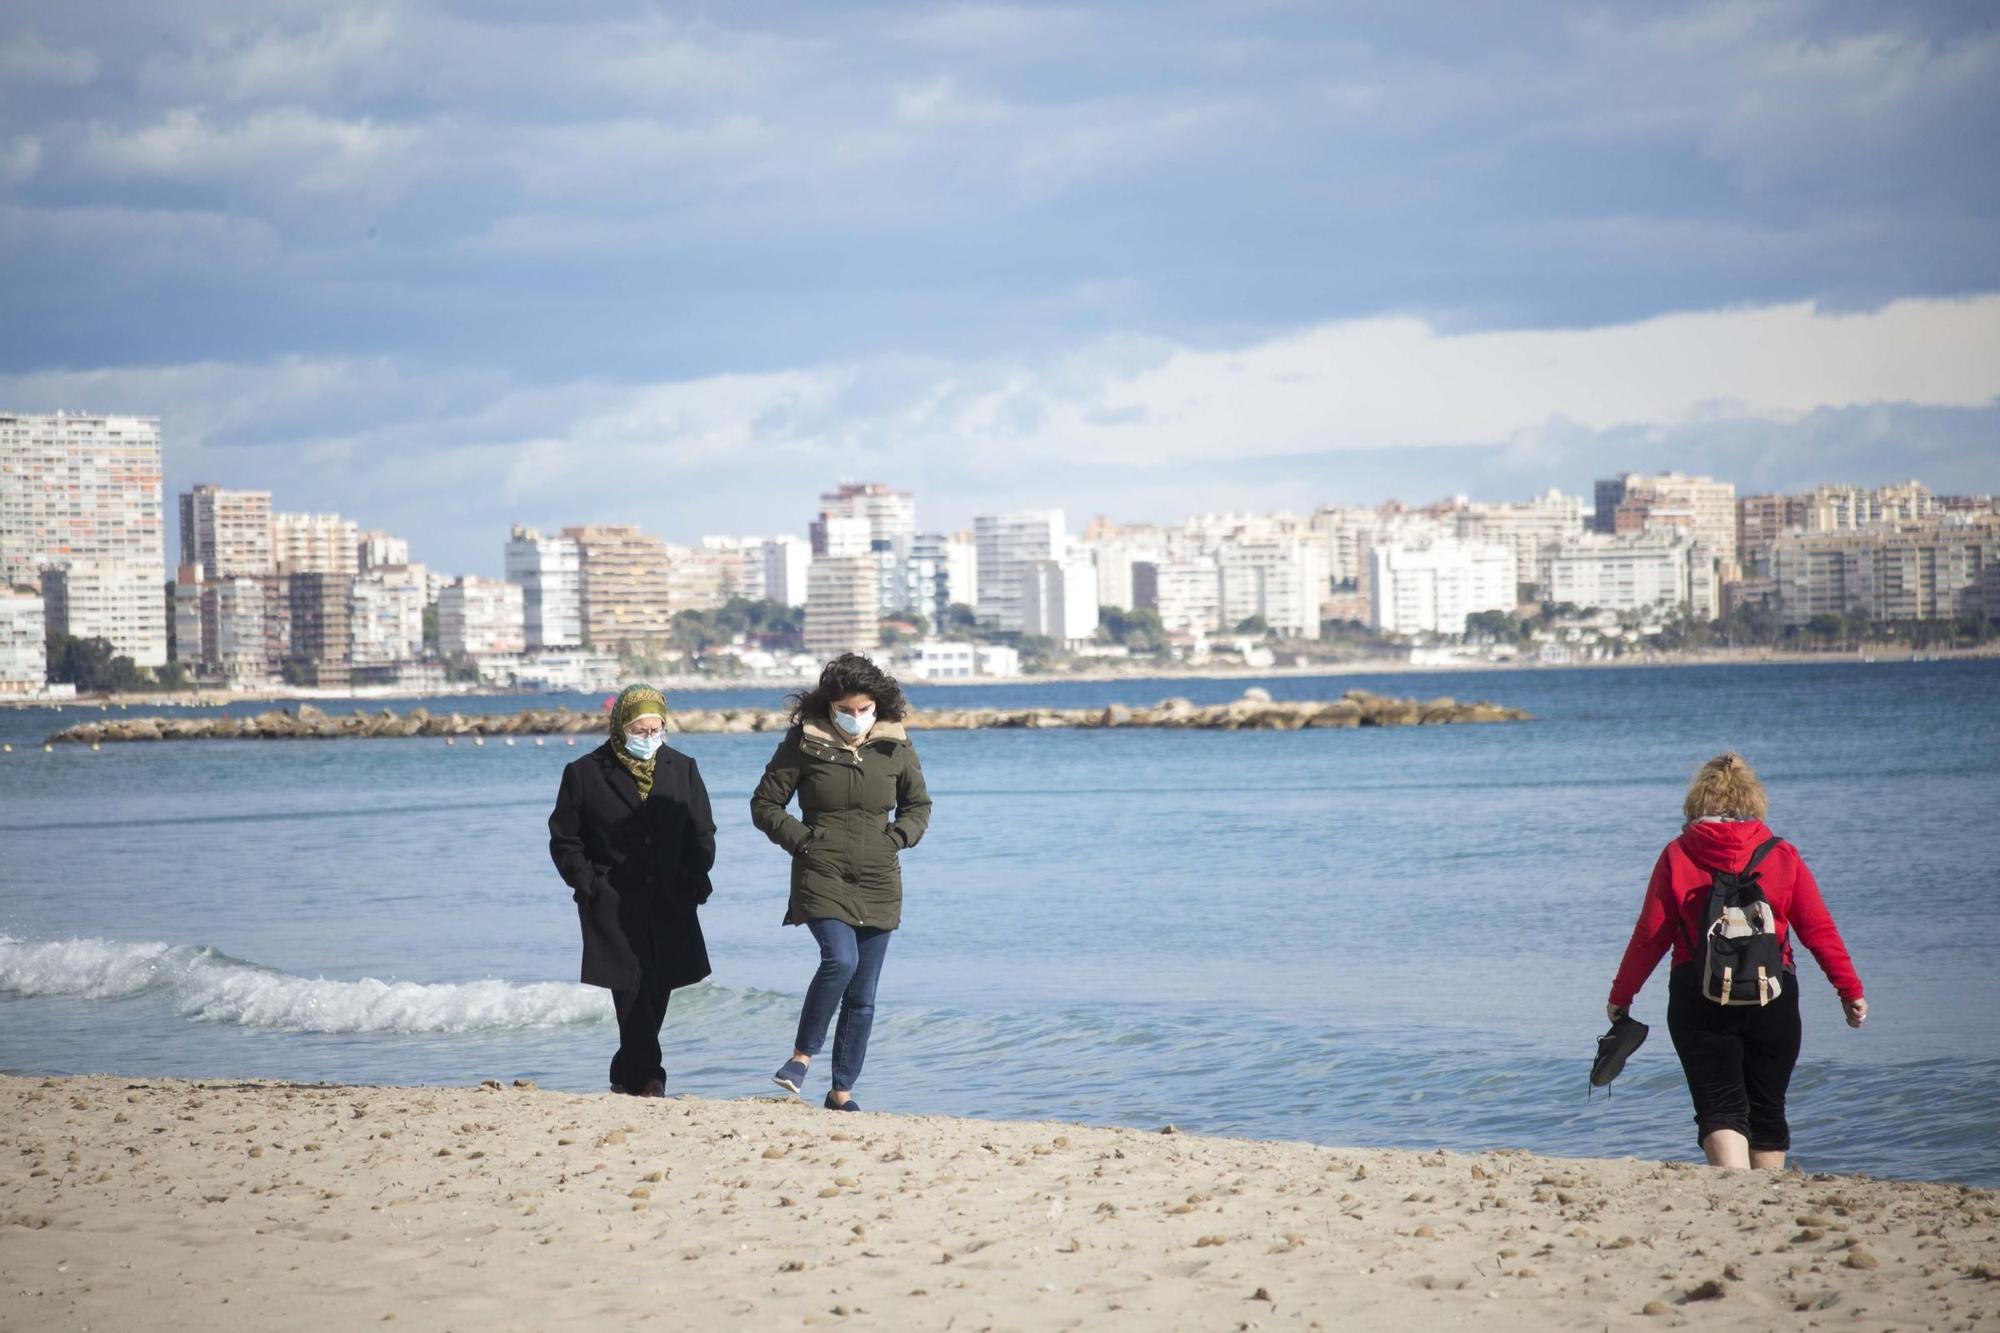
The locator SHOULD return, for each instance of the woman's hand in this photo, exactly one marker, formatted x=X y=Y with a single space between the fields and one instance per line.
x=1856 y=1011
x=1614 y=1012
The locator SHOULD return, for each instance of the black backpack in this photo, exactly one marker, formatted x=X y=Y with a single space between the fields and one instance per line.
x=1742 y=954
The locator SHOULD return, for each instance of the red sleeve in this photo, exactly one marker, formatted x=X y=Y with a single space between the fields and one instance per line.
x=1659 y=919
x=1813 y=925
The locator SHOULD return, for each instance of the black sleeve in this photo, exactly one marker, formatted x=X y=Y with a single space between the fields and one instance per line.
x=566 y=839
x=699 y=851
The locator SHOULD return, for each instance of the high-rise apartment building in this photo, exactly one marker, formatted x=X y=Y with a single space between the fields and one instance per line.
x=785 y=560
x=236 y=635
x=386 y=615
x=841 y=615
x=480 y=618
x=103 y=599
x=24 y=660
x=1059 y=599
x=549 y=571
x=1627 y=572
x=1280 y=580
x=376 y=549
x=1761 y=520
x=1535 y=528
x=321 y=632
x=77 y=487
x=1849 y=508
x=1926 y=571
x=315 y=544
x=627 y=604
x=1185 y=592
x=1701 y=507
x=887 y=515
x=1432 y=589
x=703 y=579
x=1007 y=544
x=225 y=533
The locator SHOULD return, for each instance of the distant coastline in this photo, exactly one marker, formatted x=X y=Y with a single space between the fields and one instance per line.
x=1371 y=666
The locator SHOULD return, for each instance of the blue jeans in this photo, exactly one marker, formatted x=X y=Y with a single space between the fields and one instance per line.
x=850 y=963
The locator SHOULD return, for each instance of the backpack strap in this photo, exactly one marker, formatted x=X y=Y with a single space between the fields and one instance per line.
x=1749 y=867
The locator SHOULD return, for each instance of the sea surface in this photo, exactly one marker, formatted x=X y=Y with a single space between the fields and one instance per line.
x=1396 y=937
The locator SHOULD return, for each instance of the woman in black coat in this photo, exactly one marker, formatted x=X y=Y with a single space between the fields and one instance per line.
x=633 y=838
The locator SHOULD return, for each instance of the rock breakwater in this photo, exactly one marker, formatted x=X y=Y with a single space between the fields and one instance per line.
x=1255 y=711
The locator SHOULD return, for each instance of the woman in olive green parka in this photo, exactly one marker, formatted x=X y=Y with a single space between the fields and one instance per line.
x=862 y=803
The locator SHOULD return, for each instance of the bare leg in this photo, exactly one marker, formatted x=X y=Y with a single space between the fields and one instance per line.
x=1725 y=1147
x=801 y=1056
x=1761 y=1160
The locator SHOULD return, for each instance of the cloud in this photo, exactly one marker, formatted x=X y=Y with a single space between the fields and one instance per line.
x=26 y=61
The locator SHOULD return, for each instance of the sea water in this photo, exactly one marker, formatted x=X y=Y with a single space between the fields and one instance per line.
x=1396 y=937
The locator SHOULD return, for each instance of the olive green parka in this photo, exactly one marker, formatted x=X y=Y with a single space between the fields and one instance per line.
x=845 y=848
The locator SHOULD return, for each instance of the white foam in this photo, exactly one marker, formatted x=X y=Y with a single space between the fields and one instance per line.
x=203 y=984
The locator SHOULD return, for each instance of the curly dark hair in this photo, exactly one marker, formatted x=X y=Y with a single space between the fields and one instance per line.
x=851 y=673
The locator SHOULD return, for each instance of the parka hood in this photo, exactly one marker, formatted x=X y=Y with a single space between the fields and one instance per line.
x=821 y=731
x=1722 y=844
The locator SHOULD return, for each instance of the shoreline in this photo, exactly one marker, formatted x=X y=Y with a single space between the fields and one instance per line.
x=1371 y=666
x=263 y=1205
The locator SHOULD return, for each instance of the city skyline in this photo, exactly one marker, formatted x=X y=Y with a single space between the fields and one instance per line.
x=455 y=269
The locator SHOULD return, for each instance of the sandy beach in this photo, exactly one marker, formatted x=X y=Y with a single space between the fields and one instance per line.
x=167 y=1203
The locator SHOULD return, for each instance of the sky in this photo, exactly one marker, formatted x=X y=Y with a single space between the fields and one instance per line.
x=444 y=267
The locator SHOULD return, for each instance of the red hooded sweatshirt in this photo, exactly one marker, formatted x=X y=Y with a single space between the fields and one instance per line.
x=1677 y=901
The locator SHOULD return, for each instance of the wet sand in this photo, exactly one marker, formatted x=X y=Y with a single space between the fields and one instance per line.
x=154 y=1203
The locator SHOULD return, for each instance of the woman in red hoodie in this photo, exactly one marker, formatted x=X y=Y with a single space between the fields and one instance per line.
x=1738 y=1058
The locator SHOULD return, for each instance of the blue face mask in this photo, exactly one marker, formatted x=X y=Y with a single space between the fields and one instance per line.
x=854 y=724
x=643 y=748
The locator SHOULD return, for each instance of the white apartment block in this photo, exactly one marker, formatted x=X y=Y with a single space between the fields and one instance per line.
x=1432 y=589
x=188 y=643
x=841 y=615
x=226 y=533
x=1059 y=599
x=386 y=615
x=549 y=571
x=785 y=560
x=1006 y=545
x=1282 y=579
x=1535 y=528
x=480 y=618
x=1627 y=572
x=126 y=604
x=886 y=515
x=236 y=635
x=82 y=488
x=315 y=544
x=1186 y=593
x=961 y=570
x=703 y=579
x=375 y=549
x=24 y=659
x=1114 y=557
x=937 y=659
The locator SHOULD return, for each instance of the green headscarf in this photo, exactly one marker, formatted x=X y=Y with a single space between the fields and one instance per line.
x=635 y=701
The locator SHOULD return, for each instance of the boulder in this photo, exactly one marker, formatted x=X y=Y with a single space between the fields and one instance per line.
x=1257 y=694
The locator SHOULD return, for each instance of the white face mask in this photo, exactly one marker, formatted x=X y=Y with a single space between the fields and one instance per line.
x=643 y=748
x=855 y=724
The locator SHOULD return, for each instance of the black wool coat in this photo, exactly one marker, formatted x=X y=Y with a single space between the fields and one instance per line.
x=636 y=869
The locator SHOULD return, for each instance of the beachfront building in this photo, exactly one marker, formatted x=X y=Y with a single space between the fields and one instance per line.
x=862 y=518
x=1761 y=520
x=1852 y=508
x=225 y=533
x=841 y=614
x=1432 y=589
x=1007 y=544
x=785 y=560
x=481 y=618
x=1700 y=507
x=386 y=615
x=626 y=587
x=1925 y=571
x=1630 y=572
x=315 y=544
x=549 y=571
x=102 y=599
x=1186 y=592
x=1115 y=549
x=703 y=579
x=234 y=638
x=1279 y=579
x=24 y=659
x=320 y=606
x=1059 y=600
x=76 y=487
x=937 y=659
x=1536 y=529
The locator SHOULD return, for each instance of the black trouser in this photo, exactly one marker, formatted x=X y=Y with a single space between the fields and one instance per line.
x=640 y=1013
x=1738 y=1058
